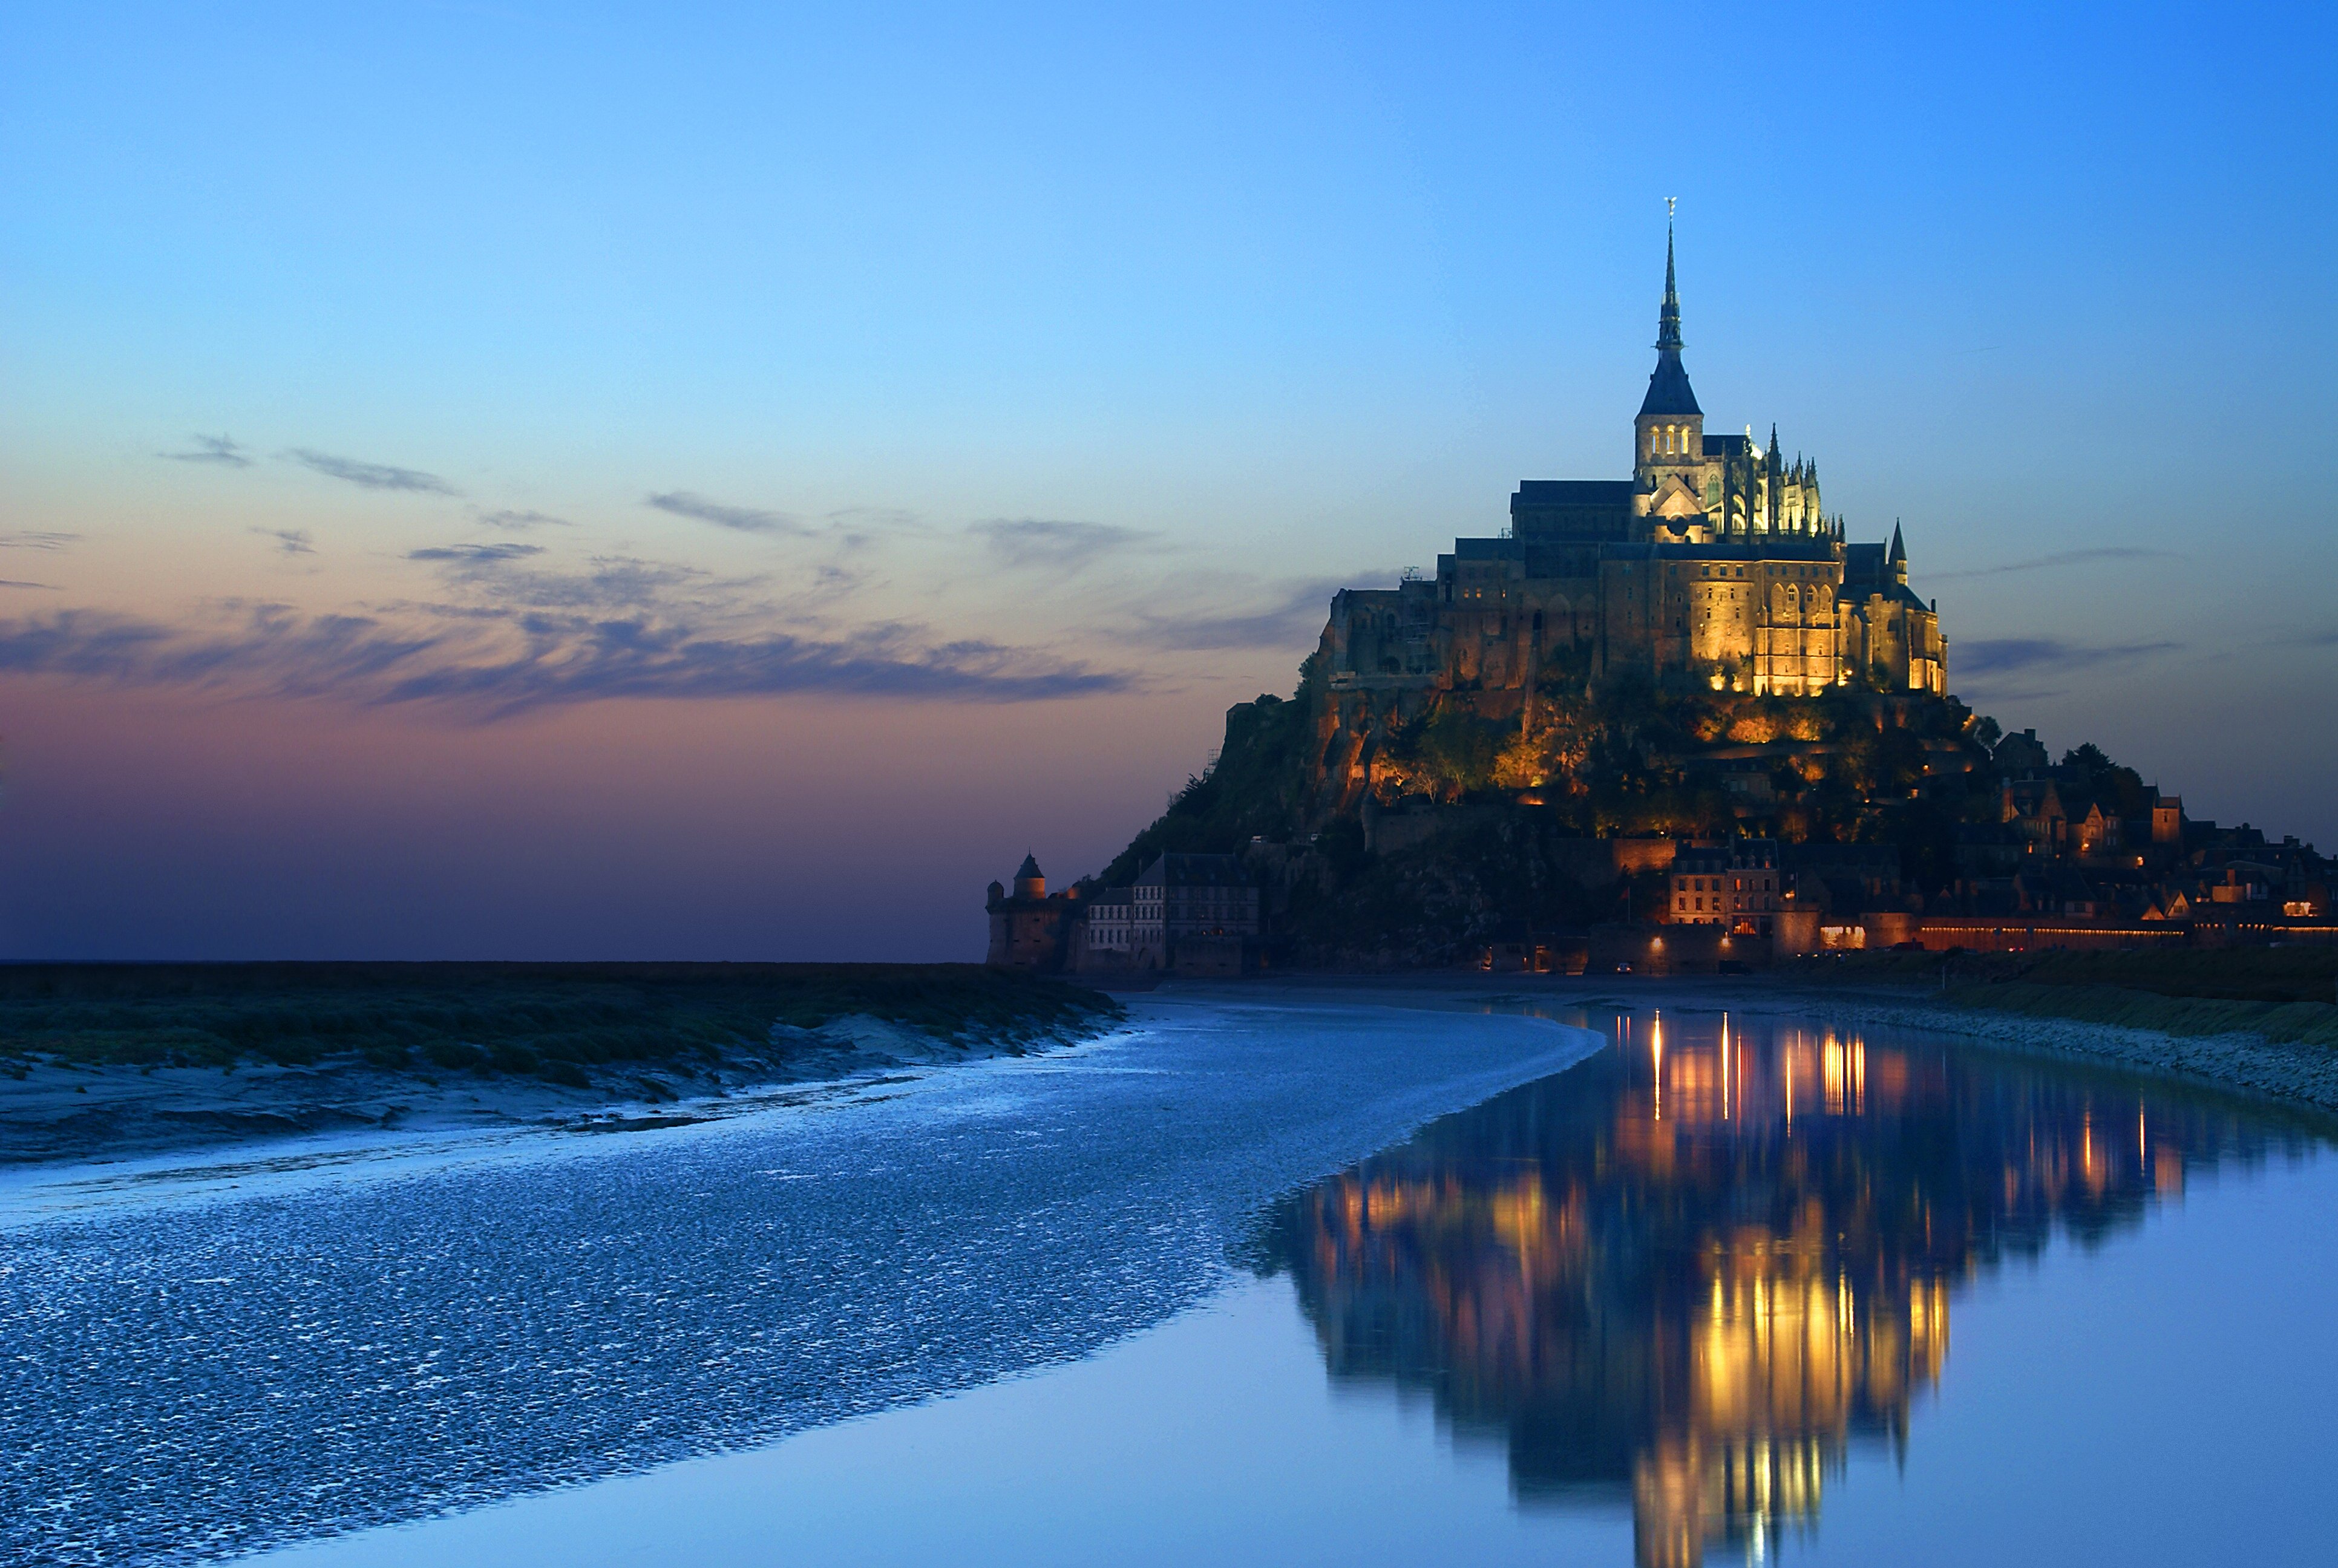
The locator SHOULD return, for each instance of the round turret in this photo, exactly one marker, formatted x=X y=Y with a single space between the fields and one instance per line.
x=1030 y=882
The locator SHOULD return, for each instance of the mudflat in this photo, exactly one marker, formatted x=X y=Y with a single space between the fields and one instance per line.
x=121 y=1060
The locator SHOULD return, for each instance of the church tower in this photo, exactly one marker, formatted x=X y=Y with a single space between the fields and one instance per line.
x=1668 y=458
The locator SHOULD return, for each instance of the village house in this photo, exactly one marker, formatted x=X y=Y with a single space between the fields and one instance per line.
x=1185 y=914
x=1195 y=914
x=1733 y=884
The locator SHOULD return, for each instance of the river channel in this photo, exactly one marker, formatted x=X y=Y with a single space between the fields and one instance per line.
x=1298 y=1278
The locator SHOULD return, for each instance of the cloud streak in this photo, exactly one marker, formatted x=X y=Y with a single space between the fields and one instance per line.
x=2022 y=655
x=290 y=540
x=1025 y=541
x=491 y=664
x=476 y=555
x=371 y=476
x=523 y=519
x=742 y=519
x=2066 y=558
x=1292 y=618
x=35 y=539
x=211 y=449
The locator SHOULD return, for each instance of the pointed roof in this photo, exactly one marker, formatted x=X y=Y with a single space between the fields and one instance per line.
x=1030 y=867
x=1898 y=547
x=1669 y=387
x=1668 y=315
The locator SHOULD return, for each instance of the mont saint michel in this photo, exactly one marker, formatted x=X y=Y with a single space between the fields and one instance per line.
x=1715 y=562
x=731 y=835
x=1677 y=723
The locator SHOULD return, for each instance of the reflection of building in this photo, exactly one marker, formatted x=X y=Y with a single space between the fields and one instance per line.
x=1692 y=1272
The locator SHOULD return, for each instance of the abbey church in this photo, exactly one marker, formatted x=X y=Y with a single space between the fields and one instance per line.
x=1714 y=563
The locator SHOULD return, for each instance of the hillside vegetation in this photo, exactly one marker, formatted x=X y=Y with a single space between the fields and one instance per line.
x=1618 y=760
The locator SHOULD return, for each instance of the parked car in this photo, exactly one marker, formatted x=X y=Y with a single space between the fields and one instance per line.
x=1623 y=968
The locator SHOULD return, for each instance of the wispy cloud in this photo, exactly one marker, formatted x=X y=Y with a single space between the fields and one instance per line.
x=11 y=583
x=519 y=520
x=211 y=449
x=476 y=555
x=871 y=517
x=373 y=475
x=1021 y=542
x=2040 y=655
x=1288 y=614
x=500 y=580
x=291 y=541
x=2066 y=558
x=496 y=667
x=281 y=652
x=745 y=519
x=34 y=539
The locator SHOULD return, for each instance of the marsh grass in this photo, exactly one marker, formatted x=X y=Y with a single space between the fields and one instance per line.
x=553 y=1021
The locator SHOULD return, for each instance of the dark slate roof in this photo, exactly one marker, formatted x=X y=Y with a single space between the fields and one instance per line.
x=1863 y=569
x=1668 y=389
x=1030 y=867
x=1573 y=493
x=1109 y=898
x=1774 y=547
x=1488 y=549
x=1728 y=447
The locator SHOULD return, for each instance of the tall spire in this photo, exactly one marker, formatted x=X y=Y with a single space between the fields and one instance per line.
x=1669 y=387
x=1669 y=337
x=1899 y=549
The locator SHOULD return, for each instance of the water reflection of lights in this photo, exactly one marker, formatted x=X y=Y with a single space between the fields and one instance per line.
x=1656 y=1052
x=1657 y=1301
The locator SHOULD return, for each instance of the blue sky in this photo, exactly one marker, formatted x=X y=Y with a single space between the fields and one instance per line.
x=924 y=357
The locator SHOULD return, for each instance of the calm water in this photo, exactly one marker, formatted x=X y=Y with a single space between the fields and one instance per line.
x=1700 y=1287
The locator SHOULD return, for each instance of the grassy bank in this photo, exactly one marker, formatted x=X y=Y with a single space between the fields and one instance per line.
x=550 y=1020
x=2290 y=1022
x=2283 y=993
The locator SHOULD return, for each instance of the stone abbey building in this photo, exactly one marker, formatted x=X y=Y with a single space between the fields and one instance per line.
x=1715 y=562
